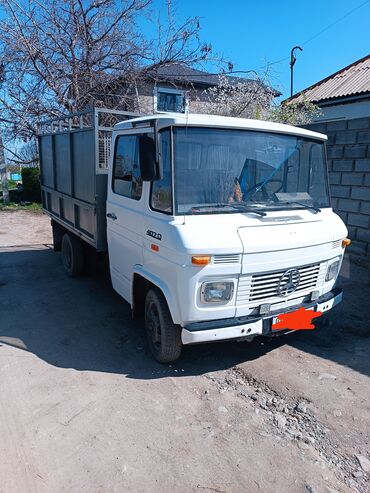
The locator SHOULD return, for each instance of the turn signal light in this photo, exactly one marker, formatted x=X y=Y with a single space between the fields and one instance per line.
x=200 y=260
x=346 y=242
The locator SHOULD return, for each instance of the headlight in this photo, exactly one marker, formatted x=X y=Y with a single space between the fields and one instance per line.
x=332 y=270
x=216 y=292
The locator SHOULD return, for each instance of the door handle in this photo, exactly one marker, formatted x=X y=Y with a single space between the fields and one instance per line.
x=112 y=215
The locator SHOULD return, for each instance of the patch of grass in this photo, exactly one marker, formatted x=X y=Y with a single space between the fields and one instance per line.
x=11 y=185
x=12 y=206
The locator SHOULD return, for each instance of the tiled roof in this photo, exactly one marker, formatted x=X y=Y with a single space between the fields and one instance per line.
x=177 y=72
x=352 y=80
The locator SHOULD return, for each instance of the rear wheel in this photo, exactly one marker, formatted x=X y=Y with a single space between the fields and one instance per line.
x=164 y=337
x=72 y=255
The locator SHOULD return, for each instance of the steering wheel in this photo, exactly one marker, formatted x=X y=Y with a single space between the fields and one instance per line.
x=255 y=188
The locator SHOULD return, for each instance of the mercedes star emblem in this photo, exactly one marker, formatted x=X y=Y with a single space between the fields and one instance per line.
x=288 y=282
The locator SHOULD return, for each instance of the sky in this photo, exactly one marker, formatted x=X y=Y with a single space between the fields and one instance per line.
x=252 y=33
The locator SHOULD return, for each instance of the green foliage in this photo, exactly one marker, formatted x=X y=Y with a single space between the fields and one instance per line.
x=294 y=113
x=11 y=184
x=31 y=185
x=255 y=99
x=13 y=206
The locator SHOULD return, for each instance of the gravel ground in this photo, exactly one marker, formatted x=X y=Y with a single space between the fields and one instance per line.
x=84 y=408
x=23 y=228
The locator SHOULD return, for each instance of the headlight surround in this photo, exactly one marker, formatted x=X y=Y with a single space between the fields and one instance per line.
x=216 y=291
x=332 y=270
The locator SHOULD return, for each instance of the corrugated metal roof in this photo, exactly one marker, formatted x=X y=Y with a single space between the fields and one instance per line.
x=350 y=81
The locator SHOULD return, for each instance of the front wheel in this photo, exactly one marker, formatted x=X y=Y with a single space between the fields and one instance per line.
x=164 y=337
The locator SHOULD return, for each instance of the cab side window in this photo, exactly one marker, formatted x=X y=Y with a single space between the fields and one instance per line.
x=126 y=167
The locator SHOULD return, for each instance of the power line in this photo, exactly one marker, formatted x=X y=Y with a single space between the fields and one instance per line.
x=318 y=33
x=269 y=64
x=335 y=22
x=303 y=44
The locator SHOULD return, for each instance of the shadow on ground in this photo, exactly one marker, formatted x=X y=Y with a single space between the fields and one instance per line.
x=83 y=324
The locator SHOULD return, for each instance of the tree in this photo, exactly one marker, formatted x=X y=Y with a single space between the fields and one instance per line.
x=249 y=98
x=254 y=98
x=60 y=56
x=294 y=113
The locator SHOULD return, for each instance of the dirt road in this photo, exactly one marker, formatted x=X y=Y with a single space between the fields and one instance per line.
x=84 y=408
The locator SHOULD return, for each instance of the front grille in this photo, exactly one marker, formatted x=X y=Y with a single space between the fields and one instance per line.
x=259 y=288
x=336 y=244
x=226 y=259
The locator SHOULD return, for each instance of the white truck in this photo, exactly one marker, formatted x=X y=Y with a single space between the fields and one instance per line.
x=214 y=226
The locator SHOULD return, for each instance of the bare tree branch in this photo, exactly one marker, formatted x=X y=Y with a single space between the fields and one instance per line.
x=62 y=56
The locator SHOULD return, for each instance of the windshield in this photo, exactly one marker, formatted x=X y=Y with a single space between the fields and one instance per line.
x=226 y=170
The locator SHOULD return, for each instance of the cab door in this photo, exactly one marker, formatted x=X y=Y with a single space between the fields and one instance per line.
x=125 y=211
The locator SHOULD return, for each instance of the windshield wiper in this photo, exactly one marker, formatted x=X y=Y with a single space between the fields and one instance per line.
x=232 y=205
x=305 y=206
x=208 y=206
x=246 y=208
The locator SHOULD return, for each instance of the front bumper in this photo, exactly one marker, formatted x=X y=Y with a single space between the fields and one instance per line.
x=248 y=327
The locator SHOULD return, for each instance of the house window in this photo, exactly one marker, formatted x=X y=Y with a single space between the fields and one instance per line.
x=172 y=100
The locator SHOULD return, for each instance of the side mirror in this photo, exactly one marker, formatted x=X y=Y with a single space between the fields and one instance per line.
x=147 y=155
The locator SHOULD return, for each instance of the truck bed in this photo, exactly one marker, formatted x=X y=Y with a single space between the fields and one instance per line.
x=74 y=156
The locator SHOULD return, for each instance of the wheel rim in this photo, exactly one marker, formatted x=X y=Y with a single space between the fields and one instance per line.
x=154 y=325
x=67 y=256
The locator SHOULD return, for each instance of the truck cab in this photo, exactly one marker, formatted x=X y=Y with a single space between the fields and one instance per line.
x=217 y=226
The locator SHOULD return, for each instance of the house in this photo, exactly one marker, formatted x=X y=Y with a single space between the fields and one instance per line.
x=174 y=88
x=344 y=100
x=344 y=95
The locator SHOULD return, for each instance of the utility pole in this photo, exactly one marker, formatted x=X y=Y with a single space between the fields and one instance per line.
x=4 y=178
x=291 y=63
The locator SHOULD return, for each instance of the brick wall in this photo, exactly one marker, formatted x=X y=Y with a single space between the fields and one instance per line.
x=348 y=151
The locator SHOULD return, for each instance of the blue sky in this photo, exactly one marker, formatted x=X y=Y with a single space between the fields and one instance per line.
x=251 y=33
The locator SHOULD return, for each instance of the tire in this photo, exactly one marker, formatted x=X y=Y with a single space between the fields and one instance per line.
x=72 y=255
x=164 y=337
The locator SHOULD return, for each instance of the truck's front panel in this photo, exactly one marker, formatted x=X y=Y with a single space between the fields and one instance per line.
x=239 y=226
x=257 y=203
x=255 y=275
